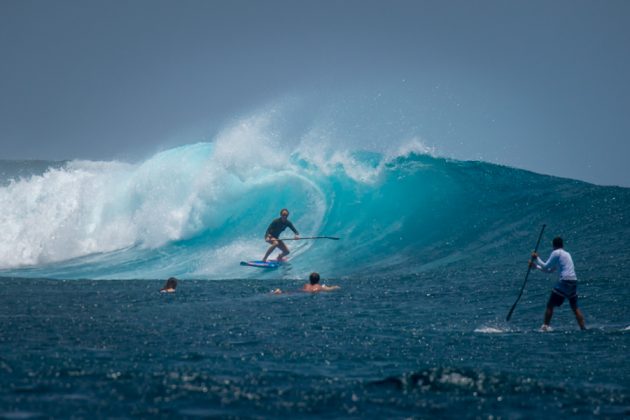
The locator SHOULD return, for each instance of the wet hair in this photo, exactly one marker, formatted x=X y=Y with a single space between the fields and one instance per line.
x=171 y=283
x=283 y=210
x=314 y=278
x=557 y=243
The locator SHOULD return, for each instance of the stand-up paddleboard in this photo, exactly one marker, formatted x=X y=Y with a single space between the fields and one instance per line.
x=262 y=264
x=276 y=263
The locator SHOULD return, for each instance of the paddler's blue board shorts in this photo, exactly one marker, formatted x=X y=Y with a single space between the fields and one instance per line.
x=564 y=289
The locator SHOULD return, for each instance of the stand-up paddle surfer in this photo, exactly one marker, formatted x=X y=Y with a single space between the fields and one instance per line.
x=566 y=287
x=273 y=232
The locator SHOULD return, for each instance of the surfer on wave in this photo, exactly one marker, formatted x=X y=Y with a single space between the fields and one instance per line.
x=274 y=230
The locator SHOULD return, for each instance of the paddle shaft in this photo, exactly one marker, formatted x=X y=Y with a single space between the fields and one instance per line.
x=529 y=268
x=310 y=237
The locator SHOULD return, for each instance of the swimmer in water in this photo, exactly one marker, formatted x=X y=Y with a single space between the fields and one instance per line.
x=312 y=286
x=170 y=286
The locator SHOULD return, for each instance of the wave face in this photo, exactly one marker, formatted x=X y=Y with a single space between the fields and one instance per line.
x=196 y=211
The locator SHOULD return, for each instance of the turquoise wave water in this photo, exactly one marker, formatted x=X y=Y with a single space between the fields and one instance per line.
x=198 y=210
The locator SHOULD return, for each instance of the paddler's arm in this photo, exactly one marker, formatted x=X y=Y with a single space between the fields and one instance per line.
x=547 y=267
x=297 y=234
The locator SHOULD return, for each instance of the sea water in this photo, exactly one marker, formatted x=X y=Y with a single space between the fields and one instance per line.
x=416 y=346
x=432 y=255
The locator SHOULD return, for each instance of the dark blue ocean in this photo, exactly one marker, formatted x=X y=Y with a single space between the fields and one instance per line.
x=431 y=256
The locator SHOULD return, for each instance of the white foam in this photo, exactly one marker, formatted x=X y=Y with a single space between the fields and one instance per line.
x=251 y=147
x=414 y=145
x=58 y=215
x=490 y=330
x=329 y=153
x=457 y=379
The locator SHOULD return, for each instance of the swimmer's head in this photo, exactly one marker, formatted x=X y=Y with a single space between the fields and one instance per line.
x=314 y=278
x=171 y=283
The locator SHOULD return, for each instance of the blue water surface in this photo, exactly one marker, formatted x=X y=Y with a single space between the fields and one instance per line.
x=418 y=346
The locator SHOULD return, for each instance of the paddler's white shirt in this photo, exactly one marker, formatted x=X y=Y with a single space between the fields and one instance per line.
x=559 y=259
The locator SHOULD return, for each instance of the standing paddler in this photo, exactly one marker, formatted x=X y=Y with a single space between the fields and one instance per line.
x=566 y=286
x=273 y=233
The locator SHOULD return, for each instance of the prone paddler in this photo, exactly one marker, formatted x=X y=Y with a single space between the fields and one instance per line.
x=274 y=230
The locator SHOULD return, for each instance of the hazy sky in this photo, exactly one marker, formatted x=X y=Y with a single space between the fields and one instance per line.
x=540 y=85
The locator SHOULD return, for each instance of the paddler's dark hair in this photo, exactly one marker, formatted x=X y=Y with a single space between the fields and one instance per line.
x=557 y=243
x=314 y=278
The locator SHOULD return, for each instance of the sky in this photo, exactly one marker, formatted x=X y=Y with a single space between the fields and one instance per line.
x=538 y=85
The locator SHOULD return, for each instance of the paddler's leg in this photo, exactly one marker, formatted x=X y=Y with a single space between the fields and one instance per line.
x=285 y=250
x=274 y=244
x=578 y=314
x=548 y=315
x=554 y=300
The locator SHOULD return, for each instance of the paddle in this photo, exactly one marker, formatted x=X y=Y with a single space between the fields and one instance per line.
x=529 y=268
x=310 y=237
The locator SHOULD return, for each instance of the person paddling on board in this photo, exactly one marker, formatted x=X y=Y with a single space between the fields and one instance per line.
x=273 y=233
x=566 y=287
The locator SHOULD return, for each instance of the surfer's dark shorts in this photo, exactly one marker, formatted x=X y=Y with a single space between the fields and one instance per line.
x=564 y=289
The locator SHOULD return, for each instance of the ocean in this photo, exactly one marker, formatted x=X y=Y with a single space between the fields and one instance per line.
x=431 y=256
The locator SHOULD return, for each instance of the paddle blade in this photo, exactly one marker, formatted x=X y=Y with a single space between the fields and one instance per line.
x=509 y=315
x=529 y=268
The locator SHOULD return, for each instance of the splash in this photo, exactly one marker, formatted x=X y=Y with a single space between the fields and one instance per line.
x=491 y=330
